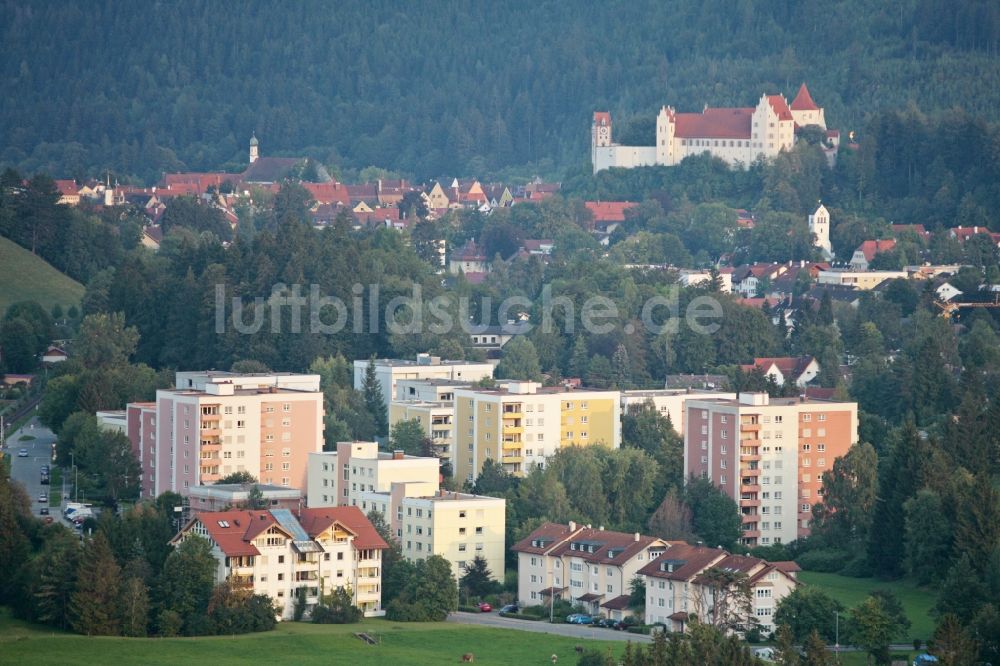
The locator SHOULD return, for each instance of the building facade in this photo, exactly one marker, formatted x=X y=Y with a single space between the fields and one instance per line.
x=521 y=424
x=341 y=477
x=283 y=554
x=435 y=418
x=677 y=589
x=390 y=371
x=669 y=403
x=769 y=455
x=218 y=423
x=581 y=564
x=738 y=136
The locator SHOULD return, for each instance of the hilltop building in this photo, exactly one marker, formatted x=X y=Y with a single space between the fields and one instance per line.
x=738 y=136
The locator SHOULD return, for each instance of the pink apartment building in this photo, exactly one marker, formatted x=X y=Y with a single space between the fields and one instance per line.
x=769 y=455
x=217 y=423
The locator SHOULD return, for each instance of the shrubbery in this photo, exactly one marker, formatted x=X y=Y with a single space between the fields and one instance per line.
x=337 y=608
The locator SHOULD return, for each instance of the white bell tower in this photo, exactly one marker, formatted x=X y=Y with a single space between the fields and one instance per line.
x=819 y=225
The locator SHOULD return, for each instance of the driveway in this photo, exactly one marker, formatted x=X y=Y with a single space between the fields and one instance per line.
x=540 y=627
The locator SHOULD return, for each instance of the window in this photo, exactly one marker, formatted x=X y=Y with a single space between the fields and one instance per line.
x=806 y=418
x=241 y=424
x=804 y=508
x=287 y=407
x=821 y=447
x=821 y=417
x=807 y=432
x=461 y=547
x=821 y=462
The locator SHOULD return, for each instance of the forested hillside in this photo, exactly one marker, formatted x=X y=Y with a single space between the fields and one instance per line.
x=448 y=87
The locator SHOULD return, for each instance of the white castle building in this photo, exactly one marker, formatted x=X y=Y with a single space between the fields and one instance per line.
x=736 y=135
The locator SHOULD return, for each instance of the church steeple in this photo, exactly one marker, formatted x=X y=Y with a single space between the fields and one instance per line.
x=253 y=148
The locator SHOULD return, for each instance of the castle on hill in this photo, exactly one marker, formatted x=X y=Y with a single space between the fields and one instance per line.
x=738 y=136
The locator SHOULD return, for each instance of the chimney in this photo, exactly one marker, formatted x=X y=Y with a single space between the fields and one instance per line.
x=572 y=526
x=397 y=455
x=636 y=537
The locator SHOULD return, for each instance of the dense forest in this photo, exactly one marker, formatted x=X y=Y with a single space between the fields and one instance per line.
x=508 y=87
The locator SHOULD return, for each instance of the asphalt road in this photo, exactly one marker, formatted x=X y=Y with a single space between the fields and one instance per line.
x=29 y=470
x=570 y=630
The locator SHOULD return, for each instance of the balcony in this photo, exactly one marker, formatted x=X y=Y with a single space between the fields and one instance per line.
x=241 y=581
x=749 y=472
x=750 y=518
x=751 y=534
x=749 y=502
x=209 y=418
x=512 y=459
x=749 y=426
x=512 y=444
x=749 y=487
x=512 y=411
x=212 y=431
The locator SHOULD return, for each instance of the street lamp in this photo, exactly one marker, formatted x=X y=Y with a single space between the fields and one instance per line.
x=836 y=645
x=552 y=595
x=76 y=477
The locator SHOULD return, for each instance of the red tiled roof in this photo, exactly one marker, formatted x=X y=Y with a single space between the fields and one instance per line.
x=326 y=193
x=618 y=603
x=726 y=123
x=787 y=566
x=819 y=393
x=964 y=233
x=314 y=521
x=804 y=101
x=624 y=546
x=791 y=367
x=67 y=187
x=602 y=117
x=693 y=559
x=608 y=211
x=234 y=531
x=780 y=107
x=872 y=247
x=552 y=533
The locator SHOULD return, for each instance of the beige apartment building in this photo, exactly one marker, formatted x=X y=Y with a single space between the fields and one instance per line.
x=769 y=455
x=341 y=477
x=217 y=423
x=521 y=424
x=435 y=418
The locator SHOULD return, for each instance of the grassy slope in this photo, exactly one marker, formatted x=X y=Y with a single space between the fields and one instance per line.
x=851 y=591
x=23 y=276
x=293 y=643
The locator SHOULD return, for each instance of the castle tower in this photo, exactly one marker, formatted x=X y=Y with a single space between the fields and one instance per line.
x=805 y=110
x=819 y=225
x=254 y=154
x=665 y=129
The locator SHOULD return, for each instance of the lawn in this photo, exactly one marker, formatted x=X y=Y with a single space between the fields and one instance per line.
x=849 y=591
x=28 y=277
x=295 y=643
x=55 y=487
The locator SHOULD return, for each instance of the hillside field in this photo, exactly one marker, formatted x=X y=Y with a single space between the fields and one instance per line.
x=295 y=643
x=24 y=276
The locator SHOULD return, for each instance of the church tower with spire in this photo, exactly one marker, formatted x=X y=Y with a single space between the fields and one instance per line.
x=254 y=154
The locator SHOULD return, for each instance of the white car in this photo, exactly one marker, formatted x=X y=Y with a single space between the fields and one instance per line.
x=43 y=498
x=23 y=453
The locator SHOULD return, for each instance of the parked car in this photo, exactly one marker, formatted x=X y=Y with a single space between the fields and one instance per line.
x=579 y=618
x=510 y=608
x=45 y=469
x=44 y=511
x=484 y=607
x=45 y=479
x=43 y=498
x=611 y=624
x=23 y=453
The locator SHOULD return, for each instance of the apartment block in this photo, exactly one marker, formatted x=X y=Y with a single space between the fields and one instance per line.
x=520 y=424
x=390 y=371
x=226 y=496
x=428 y=390
x=218 y=423
x=436 y=419
x=769 y=455
x=284 y=554
x=669 y=402
x=341 y=477
x=676 y=588
x=584 y=565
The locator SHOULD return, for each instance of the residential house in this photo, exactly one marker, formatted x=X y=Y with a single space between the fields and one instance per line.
x=581 y=564
x=606 y=216
x=54 y=355
x=470 y=259
x=797 y=370
x=946 y=291
x=963 y=234
x=748 y=280
x=435 y=198
x=69 y=192
x=679 y=587
x=285 y=554
x=859 y=279
x=862 y=258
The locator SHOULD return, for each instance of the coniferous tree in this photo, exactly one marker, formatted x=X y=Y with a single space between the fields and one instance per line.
x=56 y=571
x=375 y=398
x=95 y=606
x=477 y=581
x=815 y=652
x=579 y=363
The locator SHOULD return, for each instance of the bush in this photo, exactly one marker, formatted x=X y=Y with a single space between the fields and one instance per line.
x=469 y=609
x=169 y=623
x=644 y=629
x=858 y=567
x=337 y=608
x=825 y=561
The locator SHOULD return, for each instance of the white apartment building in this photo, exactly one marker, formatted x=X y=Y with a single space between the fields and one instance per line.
x=217 y=423
x=428 y=390
x=676 y=591
x=283 y=554
x=341 y=477
x=437 y=419
x=580 y=564
x=862 y=280
x=390 y=371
